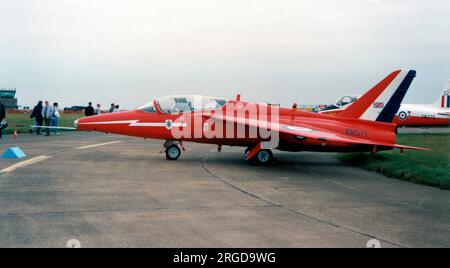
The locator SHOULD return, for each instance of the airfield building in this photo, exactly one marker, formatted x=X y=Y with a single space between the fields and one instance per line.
x=8 y=98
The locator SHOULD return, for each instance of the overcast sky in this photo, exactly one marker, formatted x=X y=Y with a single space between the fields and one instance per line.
x=309 y=51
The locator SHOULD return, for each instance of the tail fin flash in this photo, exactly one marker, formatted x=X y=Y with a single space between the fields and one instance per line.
x=444 y=99
x=382 y=102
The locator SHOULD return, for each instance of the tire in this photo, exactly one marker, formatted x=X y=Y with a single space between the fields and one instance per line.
x=173 y=152
x=264 y=157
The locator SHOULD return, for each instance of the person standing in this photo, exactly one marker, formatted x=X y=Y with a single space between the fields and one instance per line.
x=111 y=109
x=98 y=110
x=47 y=113
x=55 y=118
x=2 y=117
x=38 y=118
x=89 y=111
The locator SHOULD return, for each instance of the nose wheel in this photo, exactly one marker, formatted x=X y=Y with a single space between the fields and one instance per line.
x=172 y=149
x=173 y=152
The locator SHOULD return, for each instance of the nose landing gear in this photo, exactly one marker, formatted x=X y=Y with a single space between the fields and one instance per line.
x=172 y=149
x=173 y=152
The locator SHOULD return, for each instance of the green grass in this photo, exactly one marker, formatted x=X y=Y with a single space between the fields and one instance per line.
x=425 y=167
x=23 y=122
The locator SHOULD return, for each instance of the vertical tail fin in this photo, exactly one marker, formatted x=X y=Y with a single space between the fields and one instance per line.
x=444 y=99
x=382 y=102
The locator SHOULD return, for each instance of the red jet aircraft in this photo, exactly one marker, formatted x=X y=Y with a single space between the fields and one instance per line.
x=365 y=126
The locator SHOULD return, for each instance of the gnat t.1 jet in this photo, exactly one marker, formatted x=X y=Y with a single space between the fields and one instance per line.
x=436 y=114
x=365 y=126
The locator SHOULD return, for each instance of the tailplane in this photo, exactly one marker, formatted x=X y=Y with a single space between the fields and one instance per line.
x=382 y=102
x=444 y=99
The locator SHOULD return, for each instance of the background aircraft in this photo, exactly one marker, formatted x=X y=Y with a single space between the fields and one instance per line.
x=365 y=126
x=340 y=104
x=409 y=115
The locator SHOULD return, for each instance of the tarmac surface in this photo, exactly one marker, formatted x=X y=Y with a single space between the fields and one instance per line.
x=113 y=191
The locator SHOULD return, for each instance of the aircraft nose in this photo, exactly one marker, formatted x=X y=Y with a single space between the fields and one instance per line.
x=75 y=124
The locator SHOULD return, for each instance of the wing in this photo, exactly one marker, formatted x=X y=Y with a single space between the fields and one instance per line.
x=309 y=132
x=323 y=135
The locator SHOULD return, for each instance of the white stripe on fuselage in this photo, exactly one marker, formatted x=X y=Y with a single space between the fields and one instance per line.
x=110 y=122
x=136 y=123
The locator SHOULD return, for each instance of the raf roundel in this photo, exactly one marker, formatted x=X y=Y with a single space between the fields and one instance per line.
x=403 y=116
x=169 y=124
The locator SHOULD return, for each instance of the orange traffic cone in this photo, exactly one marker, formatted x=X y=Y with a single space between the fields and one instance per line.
x=15 y=134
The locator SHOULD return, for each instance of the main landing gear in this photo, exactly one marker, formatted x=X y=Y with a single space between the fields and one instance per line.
x=264 y=157
x=173 y=149
x=259 y=156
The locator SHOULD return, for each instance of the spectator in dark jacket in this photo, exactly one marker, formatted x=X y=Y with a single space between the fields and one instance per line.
x=2 y=111
x=111 y=109
x=2 y=116
x=89 y=111
x=38 y=118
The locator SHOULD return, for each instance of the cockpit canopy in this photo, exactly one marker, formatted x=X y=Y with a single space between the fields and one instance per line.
x=341 y=103
x=185 y=104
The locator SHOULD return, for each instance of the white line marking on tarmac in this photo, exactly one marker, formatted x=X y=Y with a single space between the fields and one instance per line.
x=24 y=164
x=97 y=145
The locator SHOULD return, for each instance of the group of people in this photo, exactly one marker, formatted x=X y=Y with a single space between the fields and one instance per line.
x=90 y=110
x=46 y=115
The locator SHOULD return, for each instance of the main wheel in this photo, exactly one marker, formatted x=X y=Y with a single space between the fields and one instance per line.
x=173 y=152
x=264 y=157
